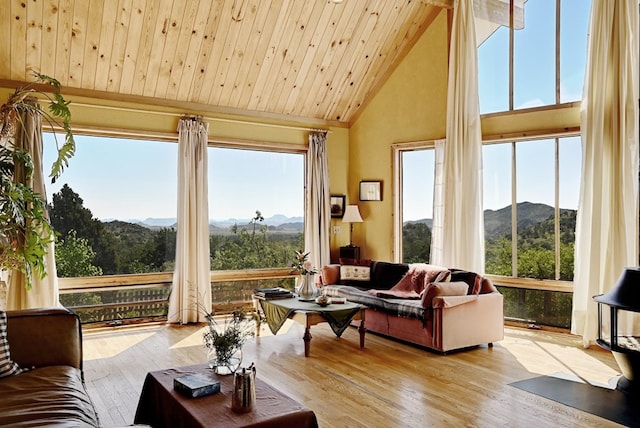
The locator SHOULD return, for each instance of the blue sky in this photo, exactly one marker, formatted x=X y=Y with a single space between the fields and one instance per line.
x=127 y=179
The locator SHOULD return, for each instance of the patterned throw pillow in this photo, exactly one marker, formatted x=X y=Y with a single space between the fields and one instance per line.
x=7 y=366
x=355 y=273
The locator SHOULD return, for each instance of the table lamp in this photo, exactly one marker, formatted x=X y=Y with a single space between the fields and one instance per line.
x=351 y=215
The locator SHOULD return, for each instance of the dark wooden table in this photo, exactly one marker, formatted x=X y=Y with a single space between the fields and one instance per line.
x=309 y=314
x=162 y=406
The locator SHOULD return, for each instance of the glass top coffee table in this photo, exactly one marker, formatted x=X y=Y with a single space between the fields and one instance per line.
x=338 y=315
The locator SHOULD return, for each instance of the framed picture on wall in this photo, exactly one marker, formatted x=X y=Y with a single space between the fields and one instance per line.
x=371 y=190
x=337 y=206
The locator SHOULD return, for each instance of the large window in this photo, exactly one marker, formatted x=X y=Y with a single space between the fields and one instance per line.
x=417 y=205
x=415 y=173
x=256 y=203
x=540 y=179
x=541 y=63
x=114 y=207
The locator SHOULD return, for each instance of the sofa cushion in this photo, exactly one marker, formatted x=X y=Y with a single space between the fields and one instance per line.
x=458 y=288
x=471 y=278
x=350 y=273
x=330 y=274
x=385 y=275
x=52 y=396
x=414 y=282
x=7 y=366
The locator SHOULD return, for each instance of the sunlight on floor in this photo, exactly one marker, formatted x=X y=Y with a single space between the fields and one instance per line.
x=100 y=344
x=548 y=358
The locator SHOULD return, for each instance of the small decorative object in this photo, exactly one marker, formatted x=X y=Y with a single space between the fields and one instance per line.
x=305 y=287
x=244 y=390
x=323 y=300
x=224 y=343
x=337 y=206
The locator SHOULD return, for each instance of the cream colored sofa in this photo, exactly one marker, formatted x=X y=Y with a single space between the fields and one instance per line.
x=448 y=322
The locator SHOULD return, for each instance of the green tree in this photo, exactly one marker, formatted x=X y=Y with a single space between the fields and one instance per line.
x=74 y=257
x=68 y=213
x=416 y=243
x=252 y=247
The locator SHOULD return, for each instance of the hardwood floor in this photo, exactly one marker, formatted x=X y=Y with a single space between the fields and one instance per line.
x=387 y=384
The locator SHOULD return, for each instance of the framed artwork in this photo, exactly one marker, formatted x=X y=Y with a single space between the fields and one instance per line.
x=371 y=190
x=337 y=206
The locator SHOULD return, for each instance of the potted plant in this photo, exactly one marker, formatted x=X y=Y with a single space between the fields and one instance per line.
x=224 y=343
x=25 y=230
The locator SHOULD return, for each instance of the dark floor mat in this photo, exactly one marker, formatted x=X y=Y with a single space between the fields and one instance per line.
x=609 y=404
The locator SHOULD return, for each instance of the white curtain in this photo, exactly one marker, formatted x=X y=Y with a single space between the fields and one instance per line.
x=607 y=222
x=44 y=292
x=318 y=210
x=191 y=291
x=461 y=216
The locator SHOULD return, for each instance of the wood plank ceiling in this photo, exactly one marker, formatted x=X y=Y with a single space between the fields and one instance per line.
x=286 y=58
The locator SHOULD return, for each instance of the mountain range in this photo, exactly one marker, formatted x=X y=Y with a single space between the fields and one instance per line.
x=275 y=222
x=498 y=222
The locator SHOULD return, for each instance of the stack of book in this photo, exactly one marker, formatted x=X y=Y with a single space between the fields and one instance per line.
x=272 y=293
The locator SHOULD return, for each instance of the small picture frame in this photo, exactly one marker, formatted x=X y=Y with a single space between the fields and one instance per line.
x=371 y=190
x=337 y=206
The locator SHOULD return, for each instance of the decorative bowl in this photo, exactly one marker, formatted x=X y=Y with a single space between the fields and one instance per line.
x=323 y=300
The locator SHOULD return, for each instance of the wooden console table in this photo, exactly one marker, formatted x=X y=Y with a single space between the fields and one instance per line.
x=162 y=406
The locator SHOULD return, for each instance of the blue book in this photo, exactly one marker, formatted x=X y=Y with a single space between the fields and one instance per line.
x=196 y=385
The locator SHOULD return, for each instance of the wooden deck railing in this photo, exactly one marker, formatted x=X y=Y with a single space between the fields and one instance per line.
x=112 y=299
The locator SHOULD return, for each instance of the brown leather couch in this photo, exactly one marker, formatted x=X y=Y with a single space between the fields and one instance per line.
x=52 y=392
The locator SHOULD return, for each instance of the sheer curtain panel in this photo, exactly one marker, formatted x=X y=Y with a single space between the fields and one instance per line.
x=317 y=208
x=191 y=290
x=607 y=221
x=462 y=239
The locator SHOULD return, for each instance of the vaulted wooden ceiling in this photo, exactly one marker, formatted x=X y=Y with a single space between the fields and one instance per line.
x=286 y=58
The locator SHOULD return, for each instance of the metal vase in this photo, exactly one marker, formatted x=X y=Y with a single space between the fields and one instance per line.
x=244 y=390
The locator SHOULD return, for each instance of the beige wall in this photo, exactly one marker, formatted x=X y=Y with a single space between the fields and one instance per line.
x=410 y=107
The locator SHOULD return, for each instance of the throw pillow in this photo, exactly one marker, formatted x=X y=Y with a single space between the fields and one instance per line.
x=354 y=273
x=387 y=274
x=7 y=366
x=435 y=289
x=471 y=278
x=330 y=274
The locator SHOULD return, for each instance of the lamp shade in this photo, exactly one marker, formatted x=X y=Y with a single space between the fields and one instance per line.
x=352 y=215
x=626 y=292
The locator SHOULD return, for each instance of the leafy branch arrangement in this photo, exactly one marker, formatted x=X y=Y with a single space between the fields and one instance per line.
x=230 y=337
x=25 y=230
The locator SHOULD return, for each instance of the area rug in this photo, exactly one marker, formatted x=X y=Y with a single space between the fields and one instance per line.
x=607 y=403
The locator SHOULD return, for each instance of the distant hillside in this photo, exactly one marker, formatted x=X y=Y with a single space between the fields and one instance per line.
x=498 y=222
x=278 y=224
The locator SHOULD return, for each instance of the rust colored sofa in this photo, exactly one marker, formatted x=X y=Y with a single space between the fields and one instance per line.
x=460 y=309
x=52 y=393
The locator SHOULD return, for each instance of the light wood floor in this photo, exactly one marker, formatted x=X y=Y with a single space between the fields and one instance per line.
x=387 y=384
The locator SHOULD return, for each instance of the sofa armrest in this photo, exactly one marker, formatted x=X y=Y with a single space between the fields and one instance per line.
x=475 y=322
x=45 y=337
x=451 y=301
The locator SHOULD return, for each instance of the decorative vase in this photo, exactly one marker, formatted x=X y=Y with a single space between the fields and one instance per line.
x=224 y=361
x=306 y=289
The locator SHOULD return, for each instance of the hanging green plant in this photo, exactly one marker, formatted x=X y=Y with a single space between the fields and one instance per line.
x=25 y=231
